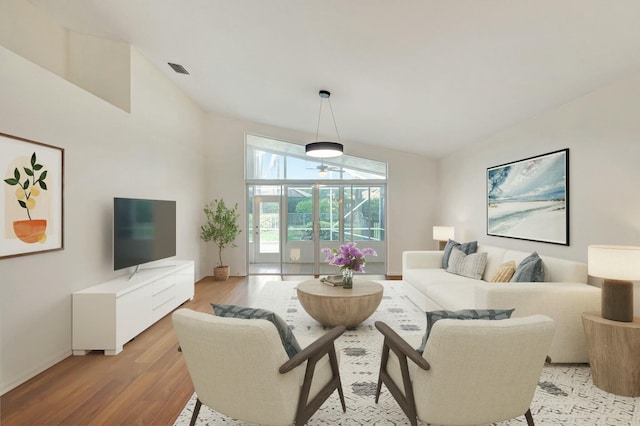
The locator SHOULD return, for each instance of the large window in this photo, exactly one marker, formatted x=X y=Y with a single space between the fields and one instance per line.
x=299 y=205
x=269 y=159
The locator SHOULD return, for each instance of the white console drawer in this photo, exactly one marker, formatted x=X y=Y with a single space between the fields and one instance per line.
x=162 y=284
x=163 y=296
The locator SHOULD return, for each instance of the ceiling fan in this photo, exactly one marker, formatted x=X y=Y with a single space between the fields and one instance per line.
x=323 y=168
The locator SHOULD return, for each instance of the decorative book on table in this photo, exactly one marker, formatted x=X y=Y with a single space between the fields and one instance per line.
x=332 y=280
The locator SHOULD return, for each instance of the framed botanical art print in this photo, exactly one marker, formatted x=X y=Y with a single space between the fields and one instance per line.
x=31 y=201
x=529 y=199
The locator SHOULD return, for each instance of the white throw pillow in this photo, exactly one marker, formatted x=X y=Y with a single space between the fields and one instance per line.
x=467 y=265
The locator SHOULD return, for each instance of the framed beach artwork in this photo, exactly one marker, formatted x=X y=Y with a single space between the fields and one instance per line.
x=31 y=217
x=529 y=199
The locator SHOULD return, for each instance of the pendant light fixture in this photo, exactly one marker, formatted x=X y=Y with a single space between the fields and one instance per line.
x=325 y=149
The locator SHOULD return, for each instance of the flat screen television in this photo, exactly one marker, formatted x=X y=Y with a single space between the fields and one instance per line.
x=143 y=231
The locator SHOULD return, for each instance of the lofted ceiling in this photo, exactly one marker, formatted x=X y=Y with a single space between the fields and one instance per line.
x=423 y=76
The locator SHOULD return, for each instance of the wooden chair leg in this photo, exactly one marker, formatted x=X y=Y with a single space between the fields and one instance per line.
x=378 y=389
x=383 y=369
x=333 y=360
x=529 y=417
x=196 y=410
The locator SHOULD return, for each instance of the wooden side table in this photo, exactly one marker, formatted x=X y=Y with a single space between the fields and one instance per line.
x=614 y=353
x=332 y=306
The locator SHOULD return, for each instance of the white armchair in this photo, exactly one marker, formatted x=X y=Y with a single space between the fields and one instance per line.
x=472 y=371
x=239 y=368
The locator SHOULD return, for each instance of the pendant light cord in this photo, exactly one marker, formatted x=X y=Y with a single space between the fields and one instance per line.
x=332 y=117
x=334 y=120
x=319 y=117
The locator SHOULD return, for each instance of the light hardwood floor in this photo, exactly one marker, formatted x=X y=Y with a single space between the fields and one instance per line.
x=146 y=384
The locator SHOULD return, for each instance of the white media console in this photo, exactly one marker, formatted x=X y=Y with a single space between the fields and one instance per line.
x=108 y=315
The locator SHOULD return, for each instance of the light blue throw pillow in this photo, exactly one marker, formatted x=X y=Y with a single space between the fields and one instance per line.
x=289 y=341
x=530 y=270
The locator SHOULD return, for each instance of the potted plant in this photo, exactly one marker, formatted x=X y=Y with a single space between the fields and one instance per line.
x=222 y=228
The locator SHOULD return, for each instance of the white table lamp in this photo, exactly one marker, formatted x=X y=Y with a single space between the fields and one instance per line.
x=443 y=234
x=618 y=266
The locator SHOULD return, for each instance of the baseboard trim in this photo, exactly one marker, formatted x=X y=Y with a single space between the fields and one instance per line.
x=30 y=374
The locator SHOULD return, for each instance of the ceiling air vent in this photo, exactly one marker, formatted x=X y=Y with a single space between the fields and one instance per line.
x=178 y=68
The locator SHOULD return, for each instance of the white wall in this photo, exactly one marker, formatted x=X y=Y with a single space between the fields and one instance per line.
x=156 y=151
x=26 y=29
x=411 y=188
x=602 y=132
x=101 y=66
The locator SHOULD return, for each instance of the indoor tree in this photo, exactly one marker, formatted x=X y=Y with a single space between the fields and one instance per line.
x=222 y=228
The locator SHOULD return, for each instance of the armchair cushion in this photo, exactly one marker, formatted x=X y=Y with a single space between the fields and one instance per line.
x=466 y=248
x=465 y=314
x=289 y=341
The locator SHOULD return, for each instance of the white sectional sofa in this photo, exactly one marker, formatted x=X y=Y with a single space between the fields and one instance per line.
x=564 y=295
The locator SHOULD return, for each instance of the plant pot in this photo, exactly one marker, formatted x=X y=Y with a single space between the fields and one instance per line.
x=221 y=273
x=30 y=231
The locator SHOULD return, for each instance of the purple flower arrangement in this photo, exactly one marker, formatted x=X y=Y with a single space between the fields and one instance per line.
x=348 y=256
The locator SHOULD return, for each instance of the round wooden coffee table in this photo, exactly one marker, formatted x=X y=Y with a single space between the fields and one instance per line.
x=332 y=306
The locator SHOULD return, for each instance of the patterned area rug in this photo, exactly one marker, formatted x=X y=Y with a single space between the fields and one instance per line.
x=565 y=394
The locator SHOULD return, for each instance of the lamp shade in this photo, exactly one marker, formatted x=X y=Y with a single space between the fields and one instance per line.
x=443 y=233
x=324 y=149
x=614 y=262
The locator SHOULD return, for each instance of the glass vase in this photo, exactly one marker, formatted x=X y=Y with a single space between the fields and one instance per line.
x=347 y=278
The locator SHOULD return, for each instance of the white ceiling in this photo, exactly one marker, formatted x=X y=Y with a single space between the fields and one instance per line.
x=424 y=76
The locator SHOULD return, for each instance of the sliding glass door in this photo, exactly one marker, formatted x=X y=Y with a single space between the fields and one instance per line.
x=315 y=217
x=301 y=230
x=266 y=227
